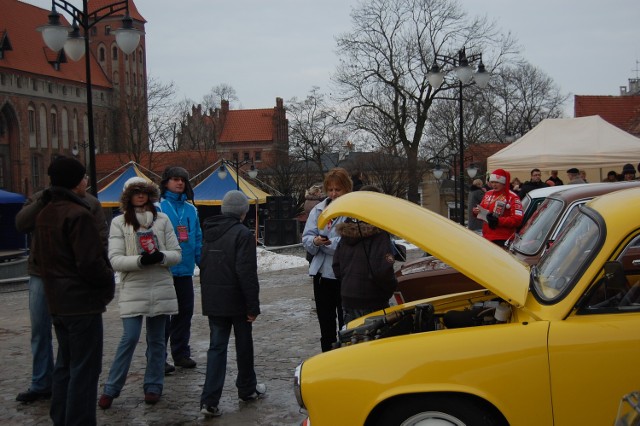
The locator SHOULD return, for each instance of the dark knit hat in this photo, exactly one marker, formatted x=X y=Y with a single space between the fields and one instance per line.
x=176 y=171
x=235 y=203
x=66 y=172
x=628 y=169
x=573 y=171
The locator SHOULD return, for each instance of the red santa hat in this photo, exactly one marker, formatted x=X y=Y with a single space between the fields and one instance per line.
x=500 y=175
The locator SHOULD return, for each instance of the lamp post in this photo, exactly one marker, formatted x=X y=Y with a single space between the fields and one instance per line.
x=464 y=72
x=57 y=37
x=236 y=164
x=84 y=145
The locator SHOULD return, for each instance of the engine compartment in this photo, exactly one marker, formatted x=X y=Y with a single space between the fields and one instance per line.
x=424 y=317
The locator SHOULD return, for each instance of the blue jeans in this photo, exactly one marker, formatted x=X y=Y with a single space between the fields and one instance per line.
x=41 y=337
x=78 y=367
x=179 y=325
x=156 y=349
x=220 y=330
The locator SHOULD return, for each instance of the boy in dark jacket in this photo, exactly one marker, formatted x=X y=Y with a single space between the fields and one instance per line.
x=363 y=262
x=230 y=289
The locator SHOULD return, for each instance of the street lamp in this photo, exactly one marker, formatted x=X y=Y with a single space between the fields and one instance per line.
x=464 y=72
x=84 y=145
x=236 y=164
x=57 y=37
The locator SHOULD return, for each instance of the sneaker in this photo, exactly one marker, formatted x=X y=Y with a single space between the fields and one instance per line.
x=185 y=362
x=32 y=396
x=261 y=389
x=168 y=369
x=105 y=401
x=151 y=398
x=210 y=410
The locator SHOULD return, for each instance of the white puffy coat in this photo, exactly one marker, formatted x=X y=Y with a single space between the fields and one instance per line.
x=145 y=290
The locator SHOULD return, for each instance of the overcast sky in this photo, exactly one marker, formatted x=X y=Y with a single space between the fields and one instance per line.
x=282 y=48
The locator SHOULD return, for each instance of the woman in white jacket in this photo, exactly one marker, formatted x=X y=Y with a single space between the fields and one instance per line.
x=142 y=247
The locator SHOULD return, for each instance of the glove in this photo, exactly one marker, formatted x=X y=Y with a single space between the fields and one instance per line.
x=492 y=221
x=151 y=258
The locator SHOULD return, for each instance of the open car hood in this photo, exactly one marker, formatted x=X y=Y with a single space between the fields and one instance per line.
x=479 y=259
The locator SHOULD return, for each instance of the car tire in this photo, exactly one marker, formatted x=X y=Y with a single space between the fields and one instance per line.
x=436 y=410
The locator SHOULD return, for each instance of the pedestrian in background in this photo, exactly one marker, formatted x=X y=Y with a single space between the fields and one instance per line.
x=501 y=208
x=322 y=243
x=534 y=182
x=313 y=196
x=476 y=193
x=628 y=172
x=583 y=175
x=146 y=287
x=612 y=176
x=554 y=180
x=41 y=337
x=177 y=203
x=79 y=284
x=574 y=176
x=230 y=298
x=363 y=262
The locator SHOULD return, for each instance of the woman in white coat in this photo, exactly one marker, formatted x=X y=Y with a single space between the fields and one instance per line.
x=142 y=248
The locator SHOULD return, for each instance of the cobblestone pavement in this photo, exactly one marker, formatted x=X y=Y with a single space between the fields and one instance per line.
x=285 y=334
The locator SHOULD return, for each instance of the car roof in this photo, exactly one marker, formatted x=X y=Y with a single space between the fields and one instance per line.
x=547 y=191
x=580 y=191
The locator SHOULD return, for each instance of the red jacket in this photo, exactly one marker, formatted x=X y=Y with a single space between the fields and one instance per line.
x=506 y=206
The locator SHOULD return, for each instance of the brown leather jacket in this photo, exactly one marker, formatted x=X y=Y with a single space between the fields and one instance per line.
x=26 y=221
x=71 y=257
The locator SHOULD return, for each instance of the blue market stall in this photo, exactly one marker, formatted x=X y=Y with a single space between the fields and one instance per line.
x=109 y=196
x=209 y=193
x=13 y=244
x=212 y=189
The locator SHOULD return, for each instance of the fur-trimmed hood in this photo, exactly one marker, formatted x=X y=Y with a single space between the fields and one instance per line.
x=148 y=188
x=352 y=232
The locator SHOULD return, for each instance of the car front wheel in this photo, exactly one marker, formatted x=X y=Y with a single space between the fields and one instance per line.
x=436 y=410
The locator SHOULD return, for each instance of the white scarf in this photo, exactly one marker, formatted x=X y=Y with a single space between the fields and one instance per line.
x=130 y=238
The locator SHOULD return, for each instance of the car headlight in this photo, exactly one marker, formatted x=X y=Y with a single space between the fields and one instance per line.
x=297 y=385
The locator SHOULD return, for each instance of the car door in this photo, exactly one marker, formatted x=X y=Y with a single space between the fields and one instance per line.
x=594 y=354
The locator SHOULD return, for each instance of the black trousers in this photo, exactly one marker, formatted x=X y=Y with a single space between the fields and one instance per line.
x=326 y=292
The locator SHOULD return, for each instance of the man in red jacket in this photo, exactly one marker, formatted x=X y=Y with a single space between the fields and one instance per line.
x=500 y=209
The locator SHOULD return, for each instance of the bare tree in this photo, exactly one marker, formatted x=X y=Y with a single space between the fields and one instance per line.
x=161 y=110
x=313 y=130
x=521 y=96
x=219 y=93
x=386 y=57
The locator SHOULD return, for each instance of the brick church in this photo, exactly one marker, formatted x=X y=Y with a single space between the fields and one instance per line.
x=43 y=105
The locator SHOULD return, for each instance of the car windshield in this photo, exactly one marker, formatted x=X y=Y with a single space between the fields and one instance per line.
x=533 y=236
x=558 y=269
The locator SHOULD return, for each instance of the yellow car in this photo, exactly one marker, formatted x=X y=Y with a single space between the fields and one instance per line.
x=557 y=344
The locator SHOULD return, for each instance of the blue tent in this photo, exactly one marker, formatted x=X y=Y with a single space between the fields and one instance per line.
x=212 y=189
x=10 y=205
x=109 y=196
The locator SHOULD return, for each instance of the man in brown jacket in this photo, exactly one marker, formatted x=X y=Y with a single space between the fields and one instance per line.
x=41 y=338
x=79 y=283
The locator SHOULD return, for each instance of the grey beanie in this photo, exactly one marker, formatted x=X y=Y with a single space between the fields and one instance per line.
x=235 y=203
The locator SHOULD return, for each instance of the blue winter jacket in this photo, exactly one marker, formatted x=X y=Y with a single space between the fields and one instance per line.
x=182 y=212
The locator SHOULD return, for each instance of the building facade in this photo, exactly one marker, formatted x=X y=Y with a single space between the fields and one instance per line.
x=43 y=104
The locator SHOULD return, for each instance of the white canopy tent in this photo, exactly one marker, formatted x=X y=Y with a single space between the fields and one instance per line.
x=588 y=143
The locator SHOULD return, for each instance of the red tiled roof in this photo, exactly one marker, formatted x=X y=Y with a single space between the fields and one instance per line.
x=30 y=54
x=133 y=10
x=248 y=125
x=621 y=111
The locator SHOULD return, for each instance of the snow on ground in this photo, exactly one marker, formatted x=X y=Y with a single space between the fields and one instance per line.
x=269 y=261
